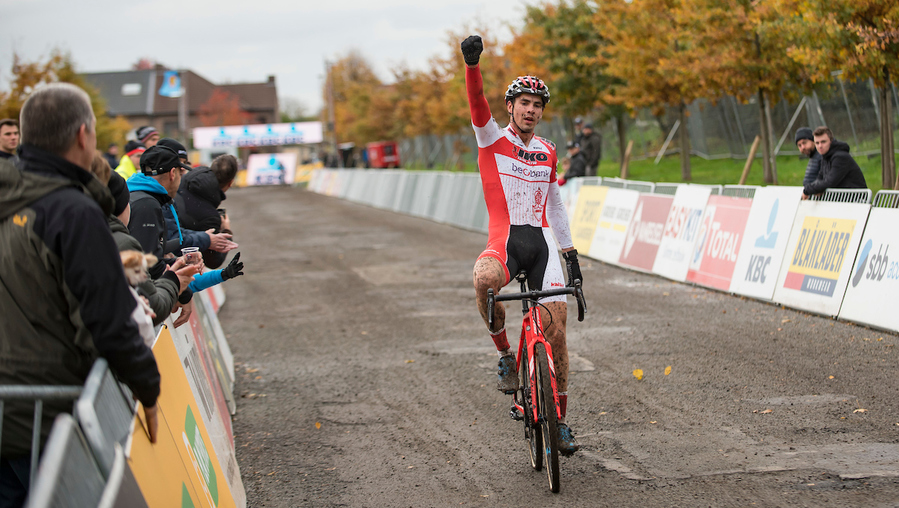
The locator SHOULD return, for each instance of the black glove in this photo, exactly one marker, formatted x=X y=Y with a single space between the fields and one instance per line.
x=235 y=268
x=471 y=49
x=574 y=269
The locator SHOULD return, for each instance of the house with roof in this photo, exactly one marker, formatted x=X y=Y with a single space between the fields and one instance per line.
x=135 y=95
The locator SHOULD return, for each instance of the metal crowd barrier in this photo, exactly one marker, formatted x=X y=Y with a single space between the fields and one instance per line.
x=886 y=199
x=666 y=188
x=740 y=191
x=636 y=185
x=38 y=394
x=862 y=196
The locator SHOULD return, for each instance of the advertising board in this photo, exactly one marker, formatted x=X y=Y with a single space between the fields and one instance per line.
x=644 y=234
x=611 y=232
x=720 y=235
x=819 y=255
x=586 y=216
x=681 y=231
x=271 y=168
x=275 y=134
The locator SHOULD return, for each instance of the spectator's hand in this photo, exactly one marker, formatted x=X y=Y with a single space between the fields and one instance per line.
x=185 y=273
x=234 y=268
x=574 y=268
x=186 y=311
x=804 y=196
x=152 y=422
x=220 y=242
x=147 y=308
x=471 y=50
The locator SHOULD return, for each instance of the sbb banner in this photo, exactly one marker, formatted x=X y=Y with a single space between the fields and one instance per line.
x=765 y=240
x=590 y=201
x=720 y=235
x=874 y=284
x=819 y=259
x=611 y=233
x=644 y=235
x=681 y=229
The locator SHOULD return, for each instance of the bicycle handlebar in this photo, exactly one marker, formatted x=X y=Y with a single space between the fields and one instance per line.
x=576 y=290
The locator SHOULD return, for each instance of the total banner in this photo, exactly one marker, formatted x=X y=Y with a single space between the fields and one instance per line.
x=680 y=232
x=644 y=235
x=720 y=235
x=274 y=134
x=765 y=241
x=822 y=247
x=874 y=283
x=586 y=216
x=611 y=232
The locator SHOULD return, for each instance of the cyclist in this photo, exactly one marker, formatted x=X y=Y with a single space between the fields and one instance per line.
x=518 y=173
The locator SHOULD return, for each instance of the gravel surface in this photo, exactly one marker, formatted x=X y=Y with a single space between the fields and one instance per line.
x=366 y=378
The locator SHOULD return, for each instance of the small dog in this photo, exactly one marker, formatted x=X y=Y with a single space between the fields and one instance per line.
x=136 y=264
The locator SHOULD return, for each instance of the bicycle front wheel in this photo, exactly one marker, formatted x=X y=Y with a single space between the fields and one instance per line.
x=532 y=431
x=549 y=419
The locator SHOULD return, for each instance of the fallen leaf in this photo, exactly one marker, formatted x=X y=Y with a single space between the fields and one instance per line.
x=364 y=332
x=667 y=370
x=638 y=373
x=604 y=412
x=782 y=321
x=252 y=370
x=318 y=425
x=859 y=410
x=831 y=377
x=410 y=361
x=767 y=411
x=665 y=293
x=880 y=339
x=653 y=421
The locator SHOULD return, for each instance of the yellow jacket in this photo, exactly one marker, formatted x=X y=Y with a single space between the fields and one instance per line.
x=126 y=168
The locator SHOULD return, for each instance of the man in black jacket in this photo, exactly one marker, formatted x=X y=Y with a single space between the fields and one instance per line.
x=838 y=169
x=64 y=299
x=591 y=146
x=198 y=200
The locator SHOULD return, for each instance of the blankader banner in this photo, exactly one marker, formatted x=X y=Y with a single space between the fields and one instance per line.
x=720 y=235
x=819 y=256
x=611 y=233
x=874 y=283
x=586 y=216
x=275 y=134
x=681 y=230
x=644 y=235
x=764 y=241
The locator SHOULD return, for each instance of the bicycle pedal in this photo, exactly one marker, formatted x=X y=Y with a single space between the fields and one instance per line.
x=515 y=414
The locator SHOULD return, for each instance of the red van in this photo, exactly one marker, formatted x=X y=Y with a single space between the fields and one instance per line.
x=383 y=154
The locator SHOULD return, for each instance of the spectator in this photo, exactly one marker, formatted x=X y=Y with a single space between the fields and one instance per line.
x=162 y=293
x=578 y=130
x=179 y=237
x=198 y=200
x=112 y=155
x=805 y=141
x=591 y=145
x=9 y=138
x=64 y=298
x=131 y=160
x=838 y=169
x=147 y=135
x=578 y=165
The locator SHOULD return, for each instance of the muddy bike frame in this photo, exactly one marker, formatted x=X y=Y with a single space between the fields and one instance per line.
x=529 y=402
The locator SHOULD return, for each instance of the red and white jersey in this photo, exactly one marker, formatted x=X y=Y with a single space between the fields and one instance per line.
x=519 y=181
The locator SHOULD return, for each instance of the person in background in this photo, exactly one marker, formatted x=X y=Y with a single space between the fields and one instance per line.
x=112 y=155
x=591 y=146
x=838 y=169
x=64 y=299
x=9 y=138
x=578 y=130
x=805 y=142
x=131 y=160
x=199 y=198
x=147 y=135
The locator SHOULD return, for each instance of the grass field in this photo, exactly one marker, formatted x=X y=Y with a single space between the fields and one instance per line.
x=790 y=170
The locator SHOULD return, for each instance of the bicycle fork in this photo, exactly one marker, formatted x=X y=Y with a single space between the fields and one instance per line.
x=530 y=336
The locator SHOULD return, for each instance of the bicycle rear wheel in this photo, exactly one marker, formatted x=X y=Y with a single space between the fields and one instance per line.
x=532 y=431
x=549 y=419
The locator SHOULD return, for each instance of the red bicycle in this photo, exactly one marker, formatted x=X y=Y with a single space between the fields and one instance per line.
x=536 y=402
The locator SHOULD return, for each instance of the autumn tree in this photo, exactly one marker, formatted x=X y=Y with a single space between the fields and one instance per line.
x=858 y=37
x=222 y=108
x=59 y=67
x=362 y=106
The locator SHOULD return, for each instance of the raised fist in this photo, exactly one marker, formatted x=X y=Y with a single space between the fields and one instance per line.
x=471 y=49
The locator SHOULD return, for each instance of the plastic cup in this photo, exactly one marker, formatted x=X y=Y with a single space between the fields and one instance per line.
x=191 y=255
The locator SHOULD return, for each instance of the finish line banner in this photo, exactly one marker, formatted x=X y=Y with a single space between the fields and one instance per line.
x=275 y=134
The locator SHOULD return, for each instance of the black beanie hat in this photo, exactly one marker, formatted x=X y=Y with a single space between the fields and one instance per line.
x=120 y=194
x=804 y=133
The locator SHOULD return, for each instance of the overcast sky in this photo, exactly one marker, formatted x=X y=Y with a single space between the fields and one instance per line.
x=246 y=41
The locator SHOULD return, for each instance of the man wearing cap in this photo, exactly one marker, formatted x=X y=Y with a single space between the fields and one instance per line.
x=578 y=130
x=131 y=160
x=181 y=234
x=591 y=146
x=198 y=200
x=805 y=141
x=147 y=135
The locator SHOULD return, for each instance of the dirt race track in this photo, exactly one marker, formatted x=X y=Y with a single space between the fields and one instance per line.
x=366 y=378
